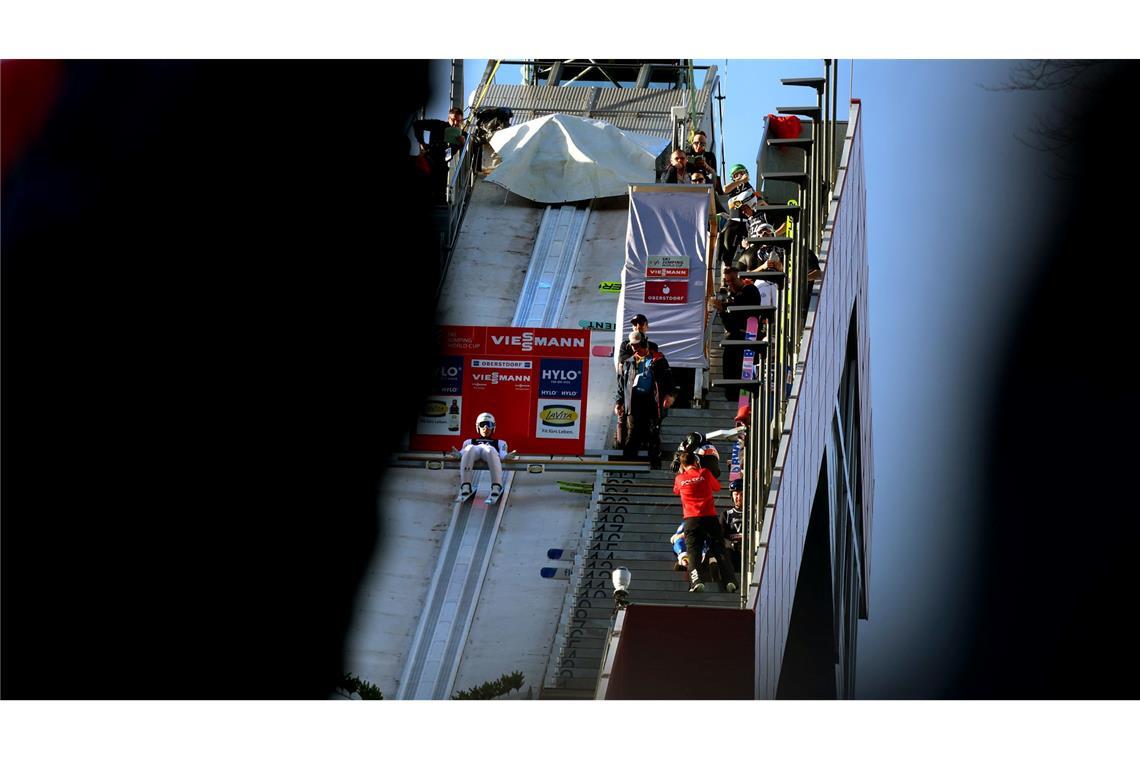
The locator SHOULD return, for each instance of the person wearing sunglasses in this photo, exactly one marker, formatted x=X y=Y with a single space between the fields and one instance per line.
x=701 y=159
x=739 y=183
x=488 y=448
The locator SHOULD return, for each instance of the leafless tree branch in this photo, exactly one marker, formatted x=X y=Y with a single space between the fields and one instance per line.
x=1056 y=133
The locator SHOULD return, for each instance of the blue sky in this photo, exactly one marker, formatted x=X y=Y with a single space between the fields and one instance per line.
x=943 y=164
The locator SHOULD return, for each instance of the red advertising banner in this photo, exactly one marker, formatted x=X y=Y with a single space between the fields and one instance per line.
x=532 y=379
x=666 y=292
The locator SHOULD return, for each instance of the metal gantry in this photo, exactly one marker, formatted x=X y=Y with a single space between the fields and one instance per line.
x=778 y=353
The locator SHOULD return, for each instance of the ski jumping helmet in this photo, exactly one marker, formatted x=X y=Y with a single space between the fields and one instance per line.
x=693 y=440
x=737 y=168
x=486 y=417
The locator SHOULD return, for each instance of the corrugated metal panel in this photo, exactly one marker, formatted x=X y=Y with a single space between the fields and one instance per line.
x=550 y=99
x=648 y=100
x=639 y=100
x=643 y=110
x=647 y=125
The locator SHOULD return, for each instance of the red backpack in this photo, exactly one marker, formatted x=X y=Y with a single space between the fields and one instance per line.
x=784 y=126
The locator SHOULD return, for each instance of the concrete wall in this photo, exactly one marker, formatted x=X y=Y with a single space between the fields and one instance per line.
x=811 y=408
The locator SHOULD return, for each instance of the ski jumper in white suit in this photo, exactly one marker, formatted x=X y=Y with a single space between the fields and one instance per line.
x=491 y=450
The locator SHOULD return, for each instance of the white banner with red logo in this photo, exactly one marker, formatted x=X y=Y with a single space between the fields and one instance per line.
x=533 y=380
x=666 y=269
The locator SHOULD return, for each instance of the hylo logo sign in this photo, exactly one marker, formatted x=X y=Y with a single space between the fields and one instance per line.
x=559 y=374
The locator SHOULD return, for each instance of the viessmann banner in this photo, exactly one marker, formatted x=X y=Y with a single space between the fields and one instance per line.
x=533 y=380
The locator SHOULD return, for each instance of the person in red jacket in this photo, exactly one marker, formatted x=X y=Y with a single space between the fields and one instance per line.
x=696 y=487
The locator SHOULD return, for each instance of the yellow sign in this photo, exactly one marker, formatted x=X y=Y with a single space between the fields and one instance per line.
x=559 y=415
x=609 y=287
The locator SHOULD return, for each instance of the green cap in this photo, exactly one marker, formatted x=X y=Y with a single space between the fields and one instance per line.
x=737 y=168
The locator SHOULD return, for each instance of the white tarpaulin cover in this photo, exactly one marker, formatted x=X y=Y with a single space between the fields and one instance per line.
x=561 y=158
x=666 y=269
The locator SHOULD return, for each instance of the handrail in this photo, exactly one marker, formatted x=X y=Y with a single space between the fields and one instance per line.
x=776 y=360
x=460 y=182
x=609 y=653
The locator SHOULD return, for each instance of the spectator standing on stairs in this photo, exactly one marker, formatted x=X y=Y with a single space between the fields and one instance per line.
x=644 y=390
x=443 y=143
x=640 y=323
x=759 y=257
x=682 y=376
x=734 y=293
x=679 y=172
x=739 y=183
x=731 y=523
x=696 y=486
x=702 y=160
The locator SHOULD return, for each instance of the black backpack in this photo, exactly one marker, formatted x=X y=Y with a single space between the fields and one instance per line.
x=489 y=120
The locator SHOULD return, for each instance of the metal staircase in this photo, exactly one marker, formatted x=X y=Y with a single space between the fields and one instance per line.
x=631 y=519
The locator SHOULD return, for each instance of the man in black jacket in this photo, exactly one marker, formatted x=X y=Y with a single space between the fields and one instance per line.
x=443 y=143
x=679 y=171
x=644 y=390
x=734 y=293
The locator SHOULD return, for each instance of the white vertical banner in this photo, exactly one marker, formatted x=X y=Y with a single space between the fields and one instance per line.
x=666 y=269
